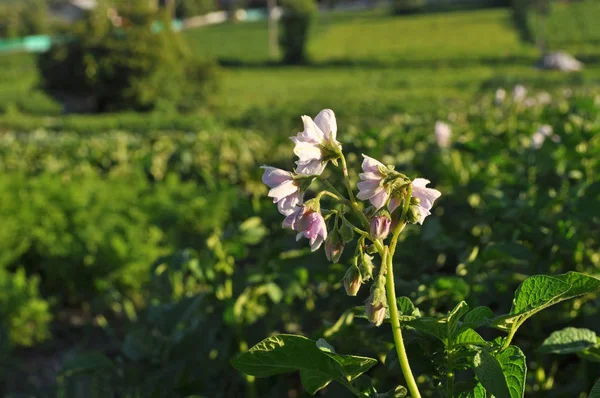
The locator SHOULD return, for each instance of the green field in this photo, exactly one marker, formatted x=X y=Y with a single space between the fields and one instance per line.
x=140 y=252
x=368 y=65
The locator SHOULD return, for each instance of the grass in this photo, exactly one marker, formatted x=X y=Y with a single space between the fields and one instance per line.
x=366 y=65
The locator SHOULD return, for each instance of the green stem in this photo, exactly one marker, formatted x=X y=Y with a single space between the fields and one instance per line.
x=396 y=331
x=353 y=203
x=510 y=336
x=332 y=188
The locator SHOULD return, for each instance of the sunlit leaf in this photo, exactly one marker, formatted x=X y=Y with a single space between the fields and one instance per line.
x=569 y=340
x=317 y=364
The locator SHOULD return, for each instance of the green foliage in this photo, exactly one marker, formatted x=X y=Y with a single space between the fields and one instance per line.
x=502 y=374
x=24 y=314
x=295 y=24
x=595 y=393
x=26 y=18
x=192 y=8
x=401 y=7
x=569 y=340
x=317 y=363
x=136 y=64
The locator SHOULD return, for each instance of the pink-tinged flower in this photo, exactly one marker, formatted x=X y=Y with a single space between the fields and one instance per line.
x=425 y=195
x=284 y=189
x=334 y=246
x=375 y=312
x=380 y=226
x=309 y=224
x=443 y=134
x=316 y=145
x=371 y=185
x=352 y=281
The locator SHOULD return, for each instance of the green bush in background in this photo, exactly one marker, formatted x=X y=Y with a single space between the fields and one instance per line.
x=134 y=63
x=295 y=25
x=25 y=18
x=407 y=6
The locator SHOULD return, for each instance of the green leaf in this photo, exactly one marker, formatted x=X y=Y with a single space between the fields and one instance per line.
x=595 y=393
x=568 y=341
x=468 y=337
x=398 y=392
x=317 y=363
x=405 y=306
x=502 y=374
x=433 y=326
x=477 y=392
x=454 y=316
x=88 y=362
x=490 y=375
x=537 y=291
x=591 y=354
x=477 y=317
x=541 y=291
x=514 y=367
x=441 y=328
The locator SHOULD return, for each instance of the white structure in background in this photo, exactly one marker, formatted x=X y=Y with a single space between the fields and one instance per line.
x=560 y=61
x=73 y=10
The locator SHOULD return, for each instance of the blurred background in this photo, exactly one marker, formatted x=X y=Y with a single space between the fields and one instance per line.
x=139 y=252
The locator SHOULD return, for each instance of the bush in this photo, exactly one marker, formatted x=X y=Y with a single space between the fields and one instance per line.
x=126 y=61
x=24 y=315
x=295 y=24
x=25 y=19
x=523 y=19
x=192 y=8
x=407 y=6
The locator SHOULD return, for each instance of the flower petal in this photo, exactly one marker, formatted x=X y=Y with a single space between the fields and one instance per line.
x=311 y=167
x=370 y=165
x=312 y=132
x=379 y=199
x=274 y=176
x=289 y=204
x=306 y=150
x=325 y=120
x=283 y=190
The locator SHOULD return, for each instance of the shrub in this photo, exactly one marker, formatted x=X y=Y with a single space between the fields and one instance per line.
x=295 y=24
x=23 y=313
x=407 y=6
x=126 y=61
x=192 y=8
x=27 y=18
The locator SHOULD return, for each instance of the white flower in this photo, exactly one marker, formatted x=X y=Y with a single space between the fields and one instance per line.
x=371 y=185
x=314 y=143
x=530 y=102
x=500 y=96
x=544 y=98
x=443 y=134
x=519 y=93
x=426 y=196
x=284 y=189
x=539 y=137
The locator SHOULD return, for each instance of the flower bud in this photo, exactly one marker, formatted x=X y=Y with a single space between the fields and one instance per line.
x=380 y=226
x=334 y=247
x=346 y=231
x=413 y=215
x=352 y=281
x=414 y=201
x=375 y=313
x=366 y=267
